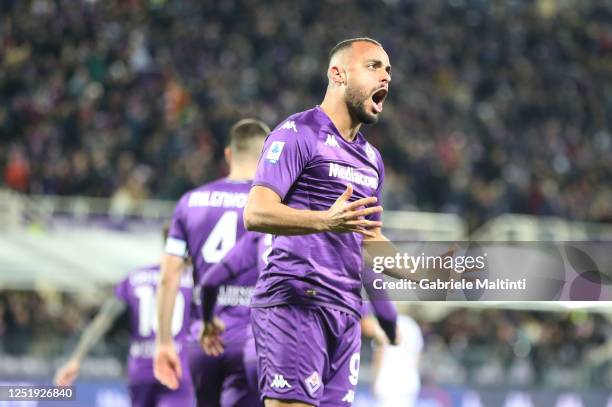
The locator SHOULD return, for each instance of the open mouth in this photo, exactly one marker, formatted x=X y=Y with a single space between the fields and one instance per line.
x=378 y=98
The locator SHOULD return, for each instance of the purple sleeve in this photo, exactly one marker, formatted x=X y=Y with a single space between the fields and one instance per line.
x=176 y=243
x=381 y=181
x=386 y=314
x=285 y=154
x=122 y=289
x=384 y=309
x=242 y=257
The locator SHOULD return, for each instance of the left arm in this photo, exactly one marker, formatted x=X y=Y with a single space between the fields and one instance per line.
x=380 y=246
x=383 y=308
x=241 y=258
x=111 y=309
x=166 y=364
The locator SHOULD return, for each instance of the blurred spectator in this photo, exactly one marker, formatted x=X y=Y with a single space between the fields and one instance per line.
x=476 y=347
x=33 y=323
x=523 y=348
x=17 y=173
x=495 y=106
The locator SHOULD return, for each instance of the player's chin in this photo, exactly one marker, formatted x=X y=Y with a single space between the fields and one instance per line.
x=369 y=116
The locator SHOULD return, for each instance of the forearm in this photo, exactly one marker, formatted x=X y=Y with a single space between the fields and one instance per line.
x=386 y=314
x=172 y=268
x=98 y=327
x=215 y=276
x=209 y=301
x=381 y=247
x=383 y=308
x=265 y=212
x=279 y=219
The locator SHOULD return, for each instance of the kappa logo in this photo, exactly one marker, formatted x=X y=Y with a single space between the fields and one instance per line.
x=349 y=397
x=313 y=382
x=331 y=141
x=279 y=382
x=289 y=125
x=274 y=153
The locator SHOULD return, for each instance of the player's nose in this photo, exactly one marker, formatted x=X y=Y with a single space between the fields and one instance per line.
x=385 y=78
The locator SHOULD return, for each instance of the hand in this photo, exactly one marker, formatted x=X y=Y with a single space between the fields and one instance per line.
x=67 y=374
x=211 y=339
x=380 y=337
x=443 y=274
x=167 y=366
x=344 y=216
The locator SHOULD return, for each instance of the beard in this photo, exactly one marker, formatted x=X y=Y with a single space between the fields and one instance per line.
x=356 y=103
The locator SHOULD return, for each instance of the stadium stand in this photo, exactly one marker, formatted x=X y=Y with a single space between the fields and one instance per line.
x=495 y=107
x=497 y=127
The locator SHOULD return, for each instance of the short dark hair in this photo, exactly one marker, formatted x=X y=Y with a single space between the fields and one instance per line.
x=348 y=43
x=244 y=131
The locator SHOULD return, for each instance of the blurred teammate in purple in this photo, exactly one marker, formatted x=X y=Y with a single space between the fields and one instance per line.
x=316 y=187
x=227 y=288
x=136 y=295
x=206 y=224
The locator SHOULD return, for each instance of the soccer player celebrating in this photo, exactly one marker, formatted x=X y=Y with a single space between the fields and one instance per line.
x=136 y=295
x=315 y=188
x=206 y=224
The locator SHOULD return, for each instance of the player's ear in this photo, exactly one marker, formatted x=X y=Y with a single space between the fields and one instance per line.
x=337 y=76
x=227 y=152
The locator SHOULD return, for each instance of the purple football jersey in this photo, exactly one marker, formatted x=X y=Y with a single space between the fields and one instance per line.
x=206 y=223
x=138 y=291
x=308 y=164
x=229 y=284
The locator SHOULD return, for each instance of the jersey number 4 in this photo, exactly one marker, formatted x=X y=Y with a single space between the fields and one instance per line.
x=222 y=238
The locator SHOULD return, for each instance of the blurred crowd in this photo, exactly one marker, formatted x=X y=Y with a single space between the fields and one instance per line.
x=495 y=106
x=46 y=323
x=466 y=347
x=518 y=348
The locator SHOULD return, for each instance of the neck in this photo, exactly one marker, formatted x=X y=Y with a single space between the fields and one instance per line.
x=241 y=172
x=335 y=108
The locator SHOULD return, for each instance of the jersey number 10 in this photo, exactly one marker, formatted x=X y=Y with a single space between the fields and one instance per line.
x=147 y=311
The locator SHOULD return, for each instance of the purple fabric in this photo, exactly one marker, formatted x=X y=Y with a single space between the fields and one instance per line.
x=236 y=274
x=250 y=367
x=384 y=310
x=386 y=315
x=138 y=291
x=228 y=285
x=308 y=164
x=309 y=354
x=208 y=221
x=158 y=395
x=222 y=379
x=197 y=217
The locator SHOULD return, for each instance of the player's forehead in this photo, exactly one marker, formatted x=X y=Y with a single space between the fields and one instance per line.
x=362 y=51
